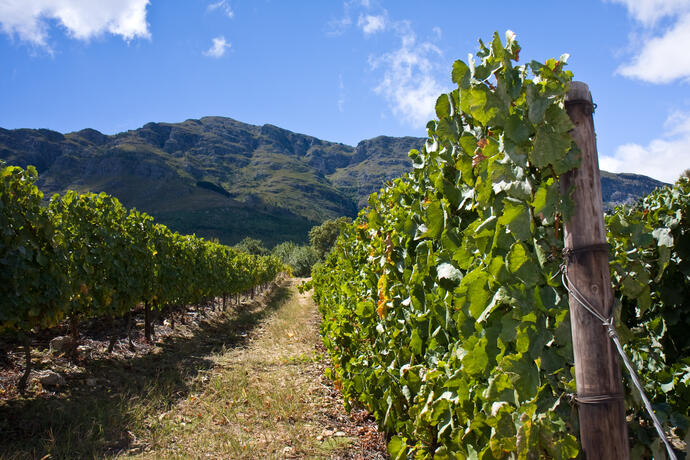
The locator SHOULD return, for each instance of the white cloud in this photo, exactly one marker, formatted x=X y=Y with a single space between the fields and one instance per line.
x=660 y=54
x=648 y=12
x=29 y=20
x=678 y=123
x=407 y=76
x=663 y=59
x=336 y=27
x=664 y=159
x=438 y=33
x=223 y=6
x=371 y=24
x=409 y=79
x=218 y=47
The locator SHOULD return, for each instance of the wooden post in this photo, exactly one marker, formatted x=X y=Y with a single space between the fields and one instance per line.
x=601 y=408
x=147 y=322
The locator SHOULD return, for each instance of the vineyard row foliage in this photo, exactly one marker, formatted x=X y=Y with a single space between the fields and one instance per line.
x=442 y=311
x=86 y=256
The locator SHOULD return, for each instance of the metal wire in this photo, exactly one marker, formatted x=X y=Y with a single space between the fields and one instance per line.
x=613 y=335
x=598 y=399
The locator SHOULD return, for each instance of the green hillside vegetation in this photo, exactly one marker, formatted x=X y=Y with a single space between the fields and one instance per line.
x=220 y=178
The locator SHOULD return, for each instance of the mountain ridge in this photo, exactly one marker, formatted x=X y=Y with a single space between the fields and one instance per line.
x=222 y=178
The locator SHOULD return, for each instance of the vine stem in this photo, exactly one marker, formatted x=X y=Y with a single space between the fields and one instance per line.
x=27 y=371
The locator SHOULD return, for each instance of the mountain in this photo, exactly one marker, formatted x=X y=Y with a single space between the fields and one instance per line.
x=625 y=188
x=220 y=178
x=216 y=177
x=374 y=162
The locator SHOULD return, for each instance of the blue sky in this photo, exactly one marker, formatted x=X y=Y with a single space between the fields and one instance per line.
x=340 y=71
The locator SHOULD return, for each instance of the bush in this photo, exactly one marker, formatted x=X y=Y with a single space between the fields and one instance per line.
x=322 y=237
x=299 y=258
x=252 y=246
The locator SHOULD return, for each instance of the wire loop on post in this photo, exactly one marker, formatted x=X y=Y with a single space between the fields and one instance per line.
x=597 y=399
x=569 y=254
x=589 y=106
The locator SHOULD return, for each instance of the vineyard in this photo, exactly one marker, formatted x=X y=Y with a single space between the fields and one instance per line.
x=445 y=303
x=85 y=256
x=443 y=308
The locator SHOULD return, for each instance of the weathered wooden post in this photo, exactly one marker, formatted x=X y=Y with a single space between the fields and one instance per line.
x=603 y=431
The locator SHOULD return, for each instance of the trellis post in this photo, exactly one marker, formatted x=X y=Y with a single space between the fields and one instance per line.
x=601 y=407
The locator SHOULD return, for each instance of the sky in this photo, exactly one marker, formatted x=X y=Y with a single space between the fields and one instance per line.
x=341 y=71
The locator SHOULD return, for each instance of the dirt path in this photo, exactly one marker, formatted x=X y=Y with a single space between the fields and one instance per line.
x=268 y=399
x=246 y=383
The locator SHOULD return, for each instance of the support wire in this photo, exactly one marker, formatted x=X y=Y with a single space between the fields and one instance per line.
x=610 y=326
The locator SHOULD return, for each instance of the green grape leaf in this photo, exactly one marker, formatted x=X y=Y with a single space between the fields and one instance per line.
x=475 y=286
x=461 y=74
x=523 y=373
x=516 y=218
x=434 y=220
x=537 y=104
x=448 y=272
x=517 y=130
x=483 y=105
x=549 y=147
x=442 y=107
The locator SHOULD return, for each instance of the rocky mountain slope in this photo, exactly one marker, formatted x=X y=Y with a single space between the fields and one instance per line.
x=224 y=179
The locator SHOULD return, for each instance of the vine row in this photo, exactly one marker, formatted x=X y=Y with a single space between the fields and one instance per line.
x=442 y=314
x=85 y=255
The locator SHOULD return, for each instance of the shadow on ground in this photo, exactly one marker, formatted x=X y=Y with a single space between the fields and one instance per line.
x=87 y=422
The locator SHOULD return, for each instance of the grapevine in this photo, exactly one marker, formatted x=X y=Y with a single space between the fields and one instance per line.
x=650 y=267
x=440 y=311
x=87 y=256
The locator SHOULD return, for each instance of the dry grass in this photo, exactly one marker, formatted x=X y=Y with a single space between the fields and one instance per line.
x=246 y=383
x=266 y=400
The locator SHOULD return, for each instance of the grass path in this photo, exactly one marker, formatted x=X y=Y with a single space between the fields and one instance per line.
x=267 y=399
x=246 y=383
